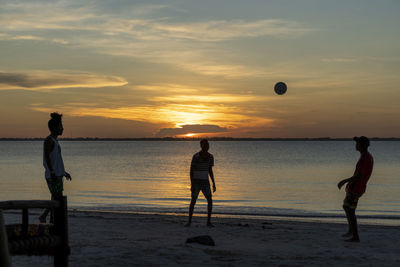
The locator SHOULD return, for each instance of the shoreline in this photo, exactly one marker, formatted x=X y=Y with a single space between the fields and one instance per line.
x=125 y=239
x=303 y=216
x=324 y=218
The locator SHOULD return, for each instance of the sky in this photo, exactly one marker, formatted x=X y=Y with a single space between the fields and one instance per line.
x=130 y=69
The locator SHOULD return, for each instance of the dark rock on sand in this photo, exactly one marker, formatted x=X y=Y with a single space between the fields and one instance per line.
x=202 y=239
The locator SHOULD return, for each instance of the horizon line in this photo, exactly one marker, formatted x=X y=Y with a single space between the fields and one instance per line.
x=200 y=138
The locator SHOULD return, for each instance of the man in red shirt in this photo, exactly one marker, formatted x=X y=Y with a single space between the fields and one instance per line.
x=356 y=186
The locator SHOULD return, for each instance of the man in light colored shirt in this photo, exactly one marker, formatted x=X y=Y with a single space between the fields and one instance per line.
x=200 y=170
x=53 y=162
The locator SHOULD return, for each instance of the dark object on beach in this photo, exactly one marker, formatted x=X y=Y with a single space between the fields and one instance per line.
x=33 y=239
x=202 y=239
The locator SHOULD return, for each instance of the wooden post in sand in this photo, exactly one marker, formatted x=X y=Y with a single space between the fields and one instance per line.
x=5 y=259
x=61 y=224
x=25 y=222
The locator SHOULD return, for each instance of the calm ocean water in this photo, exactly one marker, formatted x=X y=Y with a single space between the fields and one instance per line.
x=252 y=177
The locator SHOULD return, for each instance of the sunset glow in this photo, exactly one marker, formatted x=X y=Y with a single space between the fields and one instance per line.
x=206 y=68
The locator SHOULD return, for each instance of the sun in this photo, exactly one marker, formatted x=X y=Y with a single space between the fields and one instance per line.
x=186 y=135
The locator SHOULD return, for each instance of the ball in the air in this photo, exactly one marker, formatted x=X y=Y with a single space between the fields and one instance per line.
x=280 y=88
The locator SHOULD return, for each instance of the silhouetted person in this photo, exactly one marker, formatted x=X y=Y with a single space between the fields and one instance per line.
x=53 y=162
x=200 y=169
x=356 y=186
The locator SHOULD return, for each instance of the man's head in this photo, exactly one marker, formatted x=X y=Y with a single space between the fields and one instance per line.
x=55 y=124
x=362 y=143
x=204 y=145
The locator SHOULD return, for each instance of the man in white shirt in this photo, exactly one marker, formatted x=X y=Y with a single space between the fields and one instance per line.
x=53 y=162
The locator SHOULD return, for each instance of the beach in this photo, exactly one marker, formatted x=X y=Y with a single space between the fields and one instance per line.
x=123 y=239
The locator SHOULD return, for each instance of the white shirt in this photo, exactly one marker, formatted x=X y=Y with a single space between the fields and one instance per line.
x=56 y=161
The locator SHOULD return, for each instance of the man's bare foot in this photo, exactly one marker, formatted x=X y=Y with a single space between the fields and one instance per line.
x=188 y=224
x=348 y=234
x=356 y=240
x=210 y=225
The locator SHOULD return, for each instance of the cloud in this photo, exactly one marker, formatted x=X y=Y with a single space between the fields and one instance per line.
x=360 y=59
x=146 y=32
x=60 y=41
x=172 y=114
x=43 y=17
x=394 y=59
x=220 y=30
x=169 y=116
x=196 y=128
x=10 y=37
x=215 y=98
x=186 y=94
x=226 y=70
x=173 y=105
x=339 y=59
x=37 y=80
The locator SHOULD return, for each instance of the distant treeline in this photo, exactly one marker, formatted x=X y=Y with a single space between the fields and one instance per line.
x=197 y=139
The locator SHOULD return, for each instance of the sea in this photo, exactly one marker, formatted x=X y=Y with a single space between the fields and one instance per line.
x=296 y=179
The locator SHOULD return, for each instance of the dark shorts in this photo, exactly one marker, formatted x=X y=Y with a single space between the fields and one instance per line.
x=350 y=201
x=203 y=187
x=56 y=186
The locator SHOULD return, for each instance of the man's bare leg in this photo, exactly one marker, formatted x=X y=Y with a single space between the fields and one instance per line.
x=353 y=229
x=42 y=218
x=209 y=208
x=349 y=232
x=191 y=209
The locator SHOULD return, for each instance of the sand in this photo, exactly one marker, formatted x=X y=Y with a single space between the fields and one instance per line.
x=109 y=239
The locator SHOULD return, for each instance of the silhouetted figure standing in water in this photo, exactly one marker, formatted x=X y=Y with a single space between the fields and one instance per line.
x=53 y=162
x=356 y=186
x=200 y=168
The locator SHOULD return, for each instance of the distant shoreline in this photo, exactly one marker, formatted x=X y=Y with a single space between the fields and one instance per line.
x=197 y=139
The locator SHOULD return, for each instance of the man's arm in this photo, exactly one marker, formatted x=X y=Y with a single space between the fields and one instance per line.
x=191 y=169
x=210 y=171
x=353 y=178
x=191 y=173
